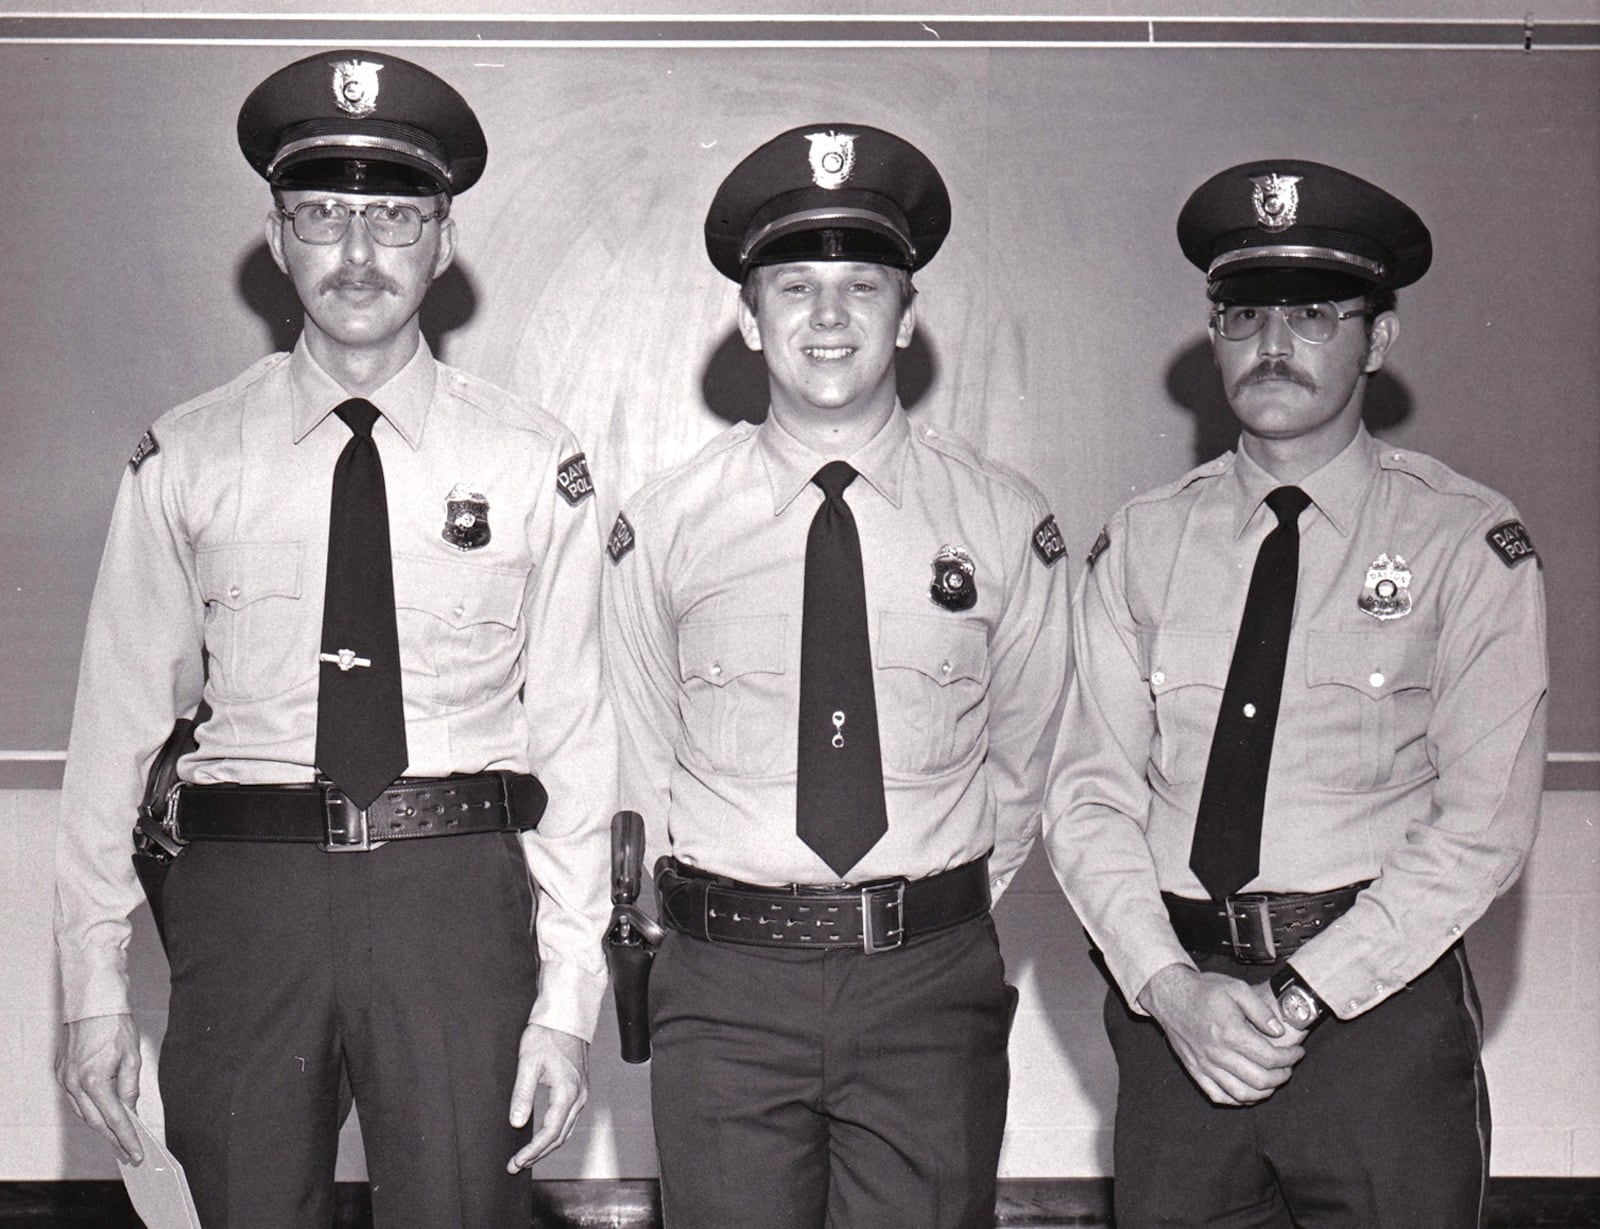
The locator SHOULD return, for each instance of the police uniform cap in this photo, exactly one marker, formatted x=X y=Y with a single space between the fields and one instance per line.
x=361 y=121
x=1284 y=230
x=829 y=191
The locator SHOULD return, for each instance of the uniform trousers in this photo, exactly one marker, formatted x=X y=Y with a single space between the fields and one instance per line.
x=408 y=971
x=803 y=1089
x=1384 y=1123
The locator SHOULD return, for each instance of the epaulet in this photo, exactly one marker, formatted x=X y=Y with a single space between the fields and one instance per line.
x=1435 y=473
x=961 y=450
x=224 y=392
x=1213 y=468
x=498 y=403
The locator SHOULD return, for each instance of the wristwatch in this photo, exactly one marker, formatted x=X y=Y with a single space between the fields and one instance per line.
x=1297 y=1001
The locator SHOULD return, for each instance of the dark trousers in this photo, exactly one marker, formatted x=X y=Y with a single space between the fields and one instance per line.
x=1384 y=1123
x=408 y=971
x=802 y=1089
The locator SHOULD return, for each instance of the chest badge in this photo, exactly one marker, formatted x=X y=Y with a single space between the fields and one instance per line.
x=1387 y=592
x=955 y=585
x=466 y=518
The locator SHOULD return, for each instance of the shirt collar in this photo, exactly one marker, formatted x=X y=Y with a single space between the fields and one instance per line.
x=1337 y=489
x=791 y=465
x=403 y=399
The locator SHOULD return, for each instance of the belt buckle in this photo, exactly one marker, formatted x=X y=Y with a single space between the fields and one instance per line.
x=889 y=897
x=345 y=824
x=1250 y=929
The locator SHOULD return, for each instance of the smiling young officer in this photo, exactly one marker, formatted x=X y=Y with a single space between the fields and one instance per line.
x=380 y=574
x=1302 y=754
x=837 y=642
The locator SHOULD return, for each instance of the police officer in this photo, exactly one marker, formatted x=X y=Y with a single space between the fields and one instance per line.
x=1302 y=754
x=838 y=643
x=379 y=573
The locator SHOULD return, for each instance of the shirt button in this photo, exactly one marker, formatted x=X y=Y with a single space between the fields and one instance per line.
x=1249 y=710
x=233 y=590
x=1158 y=677
x=1455 y=930
x=1377 y=987
x=716 y=669
x=1376 y=678
x=946 y=667
x=460 y=610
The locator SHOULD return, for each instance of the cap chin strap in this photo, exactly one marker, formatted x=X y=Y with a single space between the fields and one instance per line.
x=356 y=141
x=808 y=219
x=1292 y=254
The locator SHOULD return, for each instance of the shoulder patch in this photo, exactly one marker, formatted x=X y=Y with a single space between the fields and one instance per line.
x=621 y=540
x=1047 y=541
x=1099 y=547
x=573 y=481
x=1510 y=541
x=146 y=449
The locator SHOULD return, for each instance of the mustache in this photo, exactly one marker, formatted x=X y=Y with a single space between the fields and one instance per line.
x=341 y=279
x=1274 y=369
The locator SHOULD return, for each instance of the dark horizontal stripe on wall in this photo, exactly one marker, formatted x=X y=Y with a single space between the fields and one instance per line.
x=1025 y=1203
x=1507 y=35
x=1559 y=775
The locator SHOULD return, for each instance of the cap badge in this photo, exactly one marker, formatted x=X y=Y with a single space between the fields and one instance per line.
x=954 y=586
x=833 y=157
x=1276 y=200
x=466 y=518
x=355 y=86
x=1387 y=595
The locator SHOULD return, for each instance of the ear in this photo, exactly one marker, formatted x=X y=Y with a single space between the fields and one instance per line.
x=749 y=326
x=275 y=240
x=446 y=254
x=908 y=325
x=1380 y=337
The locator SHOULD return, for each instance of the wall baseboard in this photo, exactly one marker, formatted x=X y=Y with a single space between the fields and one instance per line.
x=1025 y=1203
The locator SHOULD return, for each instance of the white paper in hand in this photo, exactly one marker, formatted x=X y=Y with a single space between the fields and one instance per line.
x=157 y=1188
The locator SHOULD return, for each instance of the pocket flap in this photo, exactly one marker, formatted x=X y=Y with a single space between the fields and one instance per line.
x=720 y=650
x=1175 y=659
x=1376 y=664
x=243 y=572
x=943 y=648
x=459 y=594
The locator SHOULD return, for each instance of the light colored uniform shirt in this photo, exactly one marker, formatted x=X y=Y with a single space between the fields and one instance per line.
x=703 y=611
x=1409 y=749
x=218 y=549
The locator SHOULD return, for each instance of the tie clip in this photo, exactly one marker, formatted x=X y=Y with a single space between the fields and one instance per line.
x=345 y=659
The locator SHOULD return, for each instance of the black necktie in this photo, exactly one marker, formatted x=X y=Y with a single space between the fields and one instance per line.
x=1226 y=853
x=361 y=724
x=839 y=809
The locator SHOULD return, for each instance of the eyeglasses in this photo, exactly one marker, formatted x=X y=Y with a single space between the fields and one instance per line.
x=390 y=223
x=1312 y=322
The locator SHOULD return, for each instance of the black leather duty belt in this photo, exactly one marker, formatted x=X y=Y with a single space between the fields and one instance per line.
x=1258 y=928
x=319 y=814
x=871 y=917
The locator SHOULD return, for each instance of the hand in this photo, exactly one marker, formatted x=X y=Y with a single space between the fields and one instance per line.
x=99 y=1067
x=1227 y=1034
x=559 y=1063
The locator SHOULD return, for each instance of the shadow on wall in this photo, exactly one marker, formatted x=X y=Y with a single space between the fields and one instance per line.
x=734 y=380
x=452 y=301
x=1192 y=383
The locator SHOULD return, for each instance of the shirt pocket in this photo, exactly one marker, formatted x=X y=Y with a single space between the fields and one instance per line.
x=931 y=682
x=459 y=628
x=259 y=638
x=736 y=708
x=1186 y=672
x=1370 y=698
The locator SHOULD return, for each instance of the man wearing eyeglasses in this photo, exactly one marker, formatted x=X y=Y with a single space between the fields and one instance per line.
x=1302 y=754
x=380 y=577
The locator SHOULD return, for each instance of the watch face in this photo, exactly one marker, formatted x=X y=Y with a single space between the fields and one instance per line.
x=1297 y=1007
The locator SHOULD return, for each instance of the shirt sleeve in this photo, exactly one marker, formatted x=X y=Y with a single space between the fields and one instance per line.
x=1098 y=801
x=1030 y=662
x=1486 y=740
x=141 y=669
x=642 y=671
x=572 y=749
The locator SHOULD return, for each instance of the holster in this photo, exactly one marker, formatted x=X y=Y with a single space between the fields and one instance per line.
x=154 y=849
x=632 y=938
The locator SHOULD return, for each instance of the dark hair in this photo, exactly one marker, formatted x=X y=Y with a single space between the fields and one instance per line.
x=748 y=288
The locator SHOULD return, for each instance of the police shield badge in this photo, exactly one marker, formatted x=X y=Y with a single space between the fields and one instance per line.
x=954 y=579
x=833 y=157
x=466 y=518
x=1276 y=201
x=1386 y=595
x=355 y=86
